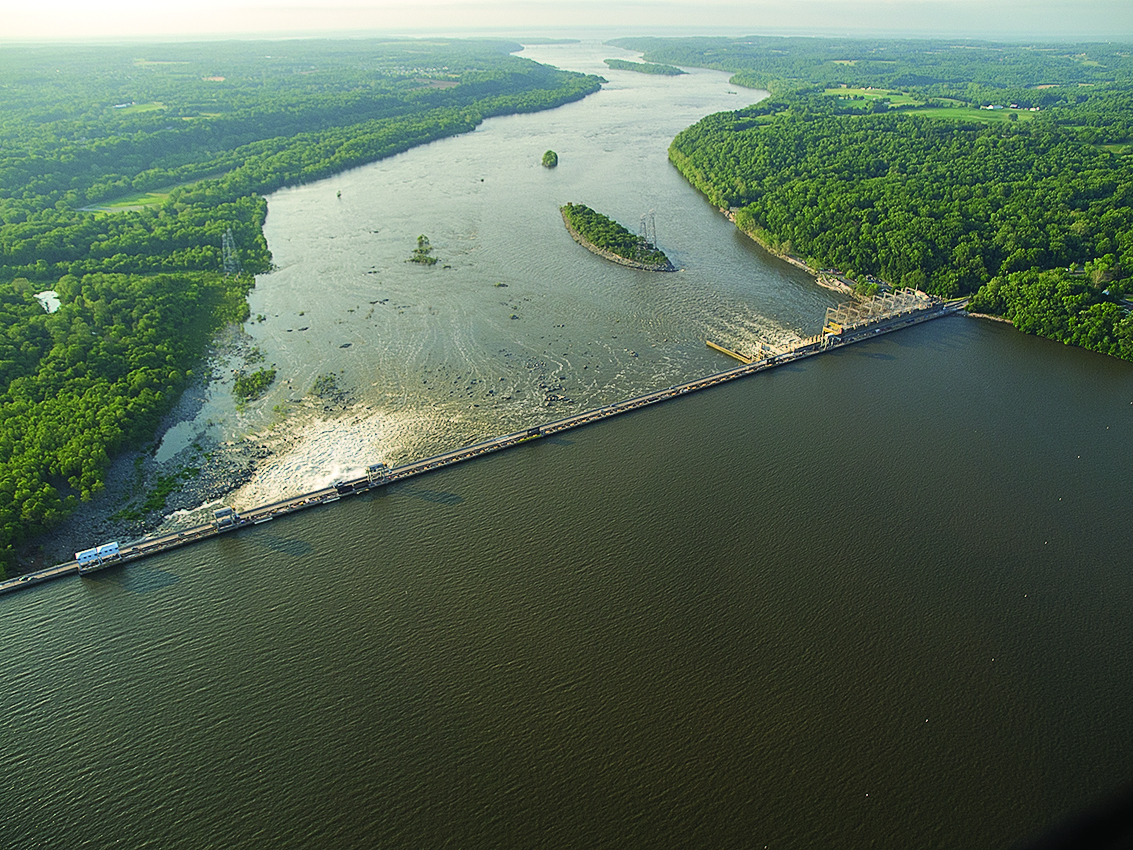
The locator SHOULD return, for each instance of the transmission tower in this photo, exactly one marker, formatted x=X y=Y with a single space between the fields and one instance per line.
x=647 y=232
x=228 y=249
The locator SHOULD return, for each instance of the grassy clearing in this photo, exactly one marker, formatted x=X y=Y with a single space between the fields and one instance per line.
x=153 y=106
x=135 y=201
x=971 y=113
x=909 y=105
x=138 y=200
x=156 y=498
x=896 y=98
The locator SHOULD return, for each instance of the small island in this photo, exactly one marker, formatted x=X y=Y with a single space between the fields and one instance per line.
x=550 y=159
x=644 y=67
x=249 y=387
x=423 y=253
x=608 y=239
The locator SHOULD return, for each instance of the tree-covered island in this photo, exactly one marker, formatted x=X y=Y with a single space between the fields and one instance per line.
x=131 y=185
x=999 y=171
x=644 y=67
x=550 y=159
x=606 y=238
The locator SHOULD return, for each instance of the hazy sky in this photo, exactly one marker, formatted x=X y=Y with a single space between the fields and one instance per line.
x=1094 y=20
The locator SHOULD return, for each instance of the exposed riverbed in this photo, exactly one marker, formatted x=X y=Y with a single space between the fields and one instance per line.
x=515 y=325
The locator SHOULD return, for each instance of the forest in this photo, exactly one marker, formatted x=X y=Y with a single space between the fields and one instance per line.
x=605 y=233
x=999 y=171
x=131 y=185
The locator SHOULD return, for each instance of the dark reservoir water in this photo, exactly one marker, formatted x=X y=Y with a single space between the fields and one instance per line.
x=879 y=598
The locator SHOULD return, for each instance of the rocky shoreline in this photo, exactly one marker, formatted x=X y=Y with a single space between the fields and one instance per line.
x=201 y=473
x=143 y=495
x=990 y=317
x=823 y=280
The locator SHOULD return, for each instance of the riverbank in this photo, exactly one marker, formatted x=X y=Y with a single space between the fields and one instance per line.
x=991 y=318
x=142 y=492
x=667 y=266
x=189 y=467
x=326 y=435
x=824 y=280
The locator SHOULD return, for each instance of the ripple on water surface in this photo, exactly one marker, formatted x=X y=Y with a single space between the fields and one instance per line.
x=516 y=324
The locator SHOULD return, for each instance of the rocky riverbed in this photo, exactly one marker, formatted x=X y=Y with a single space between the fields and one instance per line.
x=144 y=495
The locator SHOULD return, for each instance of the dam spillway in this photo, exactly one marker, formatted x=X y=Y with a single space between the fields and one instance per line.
x=379 y=476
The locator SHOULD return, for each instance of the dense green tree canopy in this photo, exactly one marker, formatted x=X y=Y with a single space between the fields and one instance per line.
x=93 y=377
x=957 y=167
x=908 y=198
x=1061 y=306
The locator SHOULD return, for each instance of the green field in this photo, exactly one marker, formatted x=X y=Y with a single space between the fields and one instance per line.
x=896 y=98
x=134 y=202
x=910 y=105
x=142 y=107
x=138 y=200
x=971 y=113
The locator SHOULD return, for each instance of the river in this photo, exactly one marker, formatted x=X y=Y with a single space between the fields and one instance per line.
x=881 y=597
x=516 y=323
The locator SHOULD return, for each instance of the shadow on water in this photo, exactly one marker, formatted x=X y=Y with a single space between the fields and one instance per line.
x=436 y=496
x=133 y=578
x=795 y=367
x=288 y=546
x=557 y=441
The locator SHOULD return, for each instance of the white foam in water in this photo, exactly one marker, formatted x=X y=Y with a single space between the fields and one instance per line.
x=328 y=451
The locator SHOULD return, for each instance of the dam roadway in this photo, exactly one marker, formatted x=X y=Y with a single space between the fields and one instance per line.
x=380 y=476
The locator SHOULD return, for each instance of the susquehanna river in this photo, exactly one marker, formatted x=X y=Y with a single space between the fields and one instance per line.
x=516 y=324
x=879 y=598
